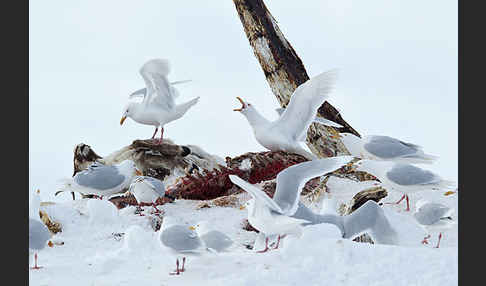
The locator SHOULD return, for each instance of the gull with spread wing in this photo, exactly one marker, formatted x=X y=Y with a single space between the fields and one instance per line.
x=158 y=106
x=285 y=214
x=290 y=128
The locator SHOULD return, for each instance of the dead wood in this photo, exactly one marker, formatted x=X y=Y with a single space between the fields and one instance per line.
x=285 y=71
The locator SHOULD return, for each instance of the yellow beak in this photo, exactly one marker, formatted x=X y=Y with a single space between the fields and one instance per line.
x=449 y=193
x=242 y=104
x=122 y=120
x=192 y=228
x=138 y=172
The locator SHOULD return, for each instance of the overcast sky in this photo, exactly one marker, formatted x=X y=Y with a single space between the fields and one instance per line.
x=397 y=62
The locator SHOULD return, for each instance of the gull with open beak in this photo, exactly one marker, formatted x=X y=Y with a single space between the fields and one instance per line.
x=158 y=106
x=290 y=128
x=102 y=180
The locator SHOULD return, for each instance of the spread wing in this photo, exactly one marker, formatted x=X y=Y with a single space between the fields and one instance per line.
x=303 y=105
x=291 y=181
x=159 y=91
x=255 y=192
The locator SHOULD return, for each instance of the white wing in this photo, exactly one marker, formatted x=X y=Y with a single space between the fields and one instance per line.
x=255 y=193
x=139 y=93
x=143 y=91
x=319 y=120
x=159 y=91
x=303 y=105
x=291 y=181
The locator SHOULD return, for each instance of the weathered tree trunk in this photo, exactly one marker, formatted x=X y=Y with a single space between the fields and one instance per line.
x=285 y=72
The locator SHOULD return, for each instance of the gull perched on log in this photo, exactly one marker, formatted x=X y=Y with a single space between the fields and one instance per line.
x=385 y=148
x=403 y=178
x=290 y=129
x=158 y=106
x=102 y=180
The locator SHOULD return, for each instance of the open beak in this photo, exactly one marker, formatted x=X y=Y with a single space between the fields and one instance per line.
x=242 y=104
x=138 y=172
x=192 y=228
x=122 y=120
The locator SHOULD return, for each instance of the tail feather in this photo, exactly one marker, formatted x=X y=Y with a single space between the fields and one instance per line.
x=184 y=107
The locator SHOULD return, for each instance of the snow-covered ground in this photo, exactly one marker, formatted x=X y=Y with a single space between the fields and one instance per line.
x=104 y=246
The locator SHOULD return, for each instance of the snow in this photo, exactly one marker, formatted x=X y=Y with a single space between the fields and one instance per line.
x=106 y=246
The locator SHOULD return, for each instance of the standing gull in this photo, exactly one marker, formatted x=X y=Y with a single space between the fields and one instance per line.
x=403 y=178
x=263 y=211
x=179 y=239
x=385 y=148
x=147 y=190
x=158 y=106
x=288 y=131
x=39 y=235
x=102 y=180
x=214 y=240
x=433 y=217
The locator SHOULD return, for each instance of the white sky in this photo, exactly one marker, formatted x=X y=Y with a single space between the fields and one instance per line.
x=397 y=62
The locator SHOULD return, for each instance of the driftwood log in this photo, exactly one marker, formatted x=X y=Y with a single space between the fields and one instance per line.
x=285 y=71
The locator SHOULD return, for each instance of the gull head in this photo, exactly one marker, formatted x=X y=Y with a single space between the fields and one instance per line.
x=245 y=107
x=201 y=227
x=127 y=111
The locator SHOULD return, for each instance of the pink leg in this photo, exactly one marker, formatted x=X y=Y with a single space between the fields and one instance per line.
x=35 y=263
x=399 y=201
x=157 y=211
x=266 y=246
x=156 y=129
x=438 y=242
x=408 y=204
x=177 y=272
x=161 y=135
x=183 y=262
x=278 y=242
x=425 y=239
